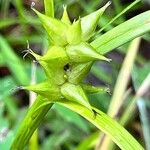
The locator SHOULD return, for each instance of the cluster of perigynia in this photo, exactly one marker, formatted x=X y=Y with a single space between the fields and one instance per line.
x=69 y=57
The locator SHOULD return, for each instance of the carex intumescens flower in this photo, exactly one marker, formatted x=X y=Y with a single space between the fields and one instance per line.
x=69 y=57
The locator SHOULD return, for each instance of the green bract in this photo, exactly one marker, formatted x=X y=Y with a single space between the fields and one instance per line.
x=69 y=58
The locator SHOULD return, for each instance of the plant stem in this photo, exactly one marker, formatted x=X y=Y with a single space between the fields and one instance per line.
x=33 y=143
x=30 y=123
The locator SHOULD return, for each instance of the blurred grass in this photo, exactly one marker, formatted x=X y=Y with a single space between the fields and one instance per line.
x=61 y=129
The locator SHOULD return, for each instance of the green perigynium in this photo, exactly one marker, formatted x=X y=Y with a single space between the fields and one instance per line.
x=69 y=57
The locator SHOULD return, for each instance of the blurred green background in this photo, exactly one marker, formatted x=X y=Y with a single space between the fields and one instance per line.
x=62 y=129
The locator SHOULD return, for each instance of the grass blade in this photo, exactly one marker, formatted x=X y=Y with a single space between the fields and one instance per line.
x=110 y=127
x=123 y=33
x=144 y=121
x=49 y=7
x=131 y=109
x=120 y=14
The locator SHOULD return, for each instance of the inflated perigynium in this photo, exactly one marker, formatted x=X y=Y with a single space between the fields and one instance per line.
x=69 y=57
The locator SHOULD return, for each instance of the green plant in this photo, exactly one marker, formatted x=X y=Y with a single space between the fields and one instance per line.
x=68 y=61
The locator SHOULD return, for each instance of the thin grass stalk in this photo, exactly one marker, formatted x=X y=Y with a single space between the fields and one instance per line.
x=33 y=143
x=119 y=15
x=144 y=121
x=131 y=109
x=49 y=7
x=123 y=78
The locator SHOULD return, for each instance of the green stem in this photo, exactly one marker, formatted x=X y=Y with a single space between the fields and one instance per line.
x=30 y=123
x=33 y=143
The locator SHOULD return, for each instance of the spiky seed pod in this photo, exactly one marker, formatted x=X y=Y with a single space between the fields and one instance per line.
x=75 y=93
x=56 y=29
x=78 y=72
x=89 y=22
x=74 y=33
x=69 y=59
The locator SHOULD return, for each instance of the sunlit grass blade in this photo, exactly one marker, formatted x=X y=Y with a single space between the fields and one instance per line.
x=20 y=8
x=123 y=33
x=33 y=143
x=49 y=7
x=120 y=14
x=110 y=127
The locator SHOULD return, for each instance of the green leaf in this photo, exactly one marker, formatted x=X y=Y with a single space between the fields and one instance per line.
x=49 y=8
x=144 y=121
x=30 y=123
x=100 y=73
x=13 y=62
x=120 y=13
x=20 y=8
x=139 y=74
x=110 y=127
x=123 y=33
